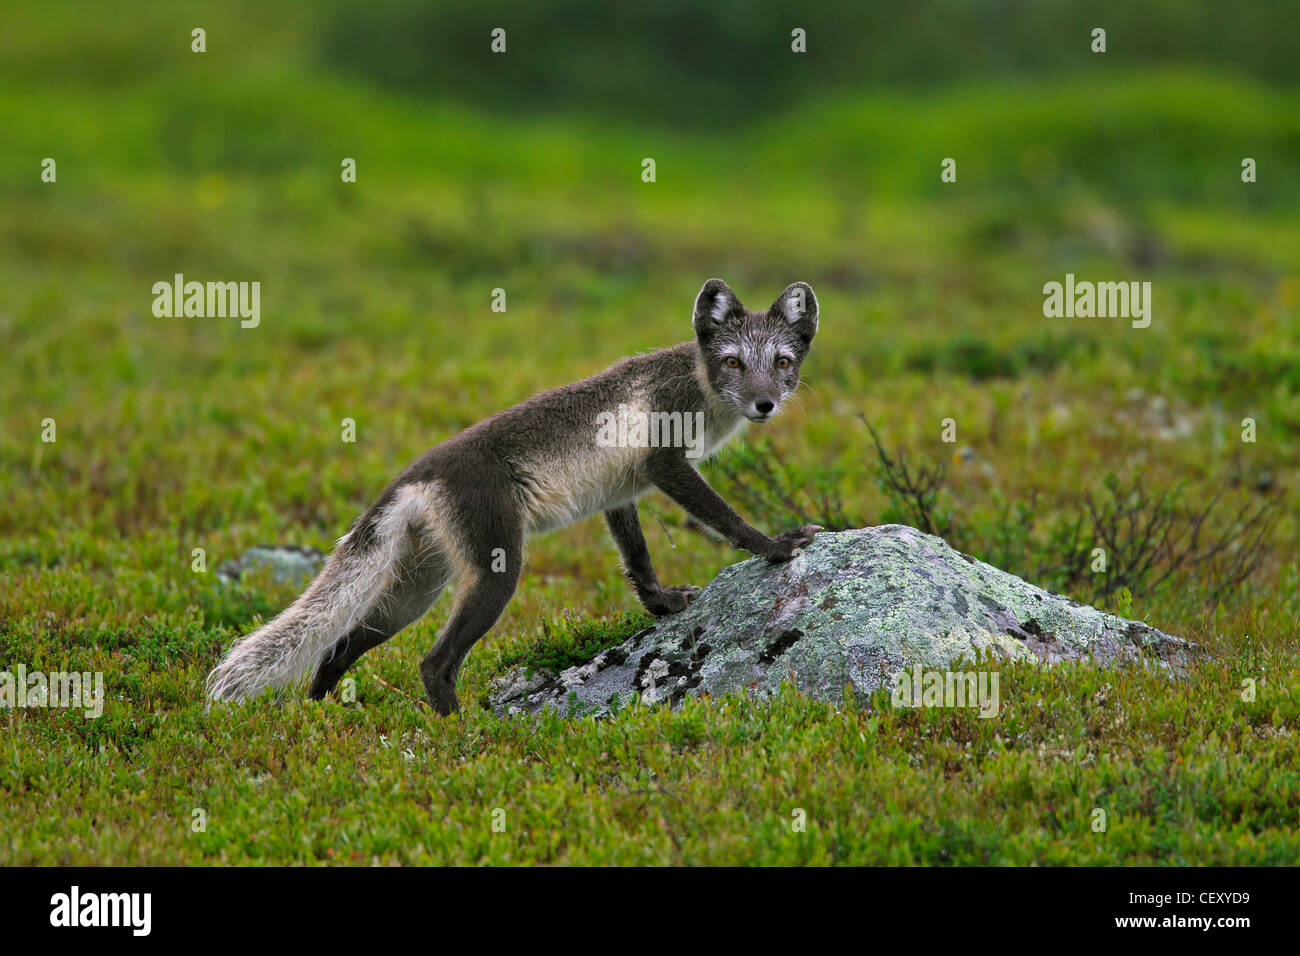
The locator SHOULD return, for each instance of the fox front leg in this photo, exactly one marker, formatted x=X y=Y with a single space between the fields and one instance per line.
x=686 y=486
x=625 y=526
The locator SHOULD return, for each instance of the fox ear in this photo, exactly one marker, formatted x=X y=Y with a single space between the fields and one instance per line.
x=798 y=306
x=715 y=305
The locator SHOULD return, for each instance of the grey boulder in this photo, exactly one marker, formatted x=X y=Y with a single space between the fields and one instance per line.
x=856 y=609
x=289 y=563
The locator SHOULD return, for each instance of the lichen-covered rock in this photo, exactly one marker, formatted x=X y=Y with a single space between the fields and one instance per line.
x=855 y=610
x=289 y=563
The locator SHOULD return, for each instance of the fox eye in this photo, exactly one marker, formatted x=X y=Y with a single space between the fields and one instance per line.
x=731 y=362
x=783 y=362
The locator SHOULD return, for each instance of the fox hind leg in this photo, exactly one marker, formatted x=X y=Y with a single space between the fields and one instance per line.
x=485 y=581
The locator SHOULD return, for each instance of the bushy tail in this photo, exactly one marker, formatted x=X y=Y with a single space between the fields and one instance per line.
x=291 y=647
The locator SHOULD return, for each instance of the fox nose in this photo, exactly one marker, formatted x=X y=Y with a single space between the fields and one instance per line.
x=764 y=407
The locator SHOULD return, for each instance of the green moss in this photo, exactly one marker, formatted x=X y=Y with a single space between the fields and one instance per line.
x=572 y=640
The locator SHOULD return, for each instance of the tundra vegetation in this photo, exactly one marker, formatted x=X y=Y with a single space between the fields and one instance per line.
x=178 y=443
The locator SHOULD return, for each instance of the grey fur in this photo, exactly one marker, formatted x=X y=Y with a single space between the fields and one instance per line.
x=461 y=513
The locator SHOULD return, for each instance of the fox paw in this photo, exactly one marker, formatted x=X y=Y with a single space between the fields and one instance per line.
x=785 y=544
x=671 y=600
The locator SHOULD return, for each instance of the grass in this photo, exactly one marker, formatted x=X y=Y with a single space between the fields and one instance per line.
x=184 y=434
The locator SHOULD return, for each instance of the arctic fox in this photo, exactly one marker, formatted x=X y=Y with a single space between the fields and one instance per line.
x=460 y=514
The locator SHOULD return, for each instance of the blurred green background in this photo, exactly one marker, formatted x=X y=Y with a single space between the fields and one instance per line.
x=522 y=171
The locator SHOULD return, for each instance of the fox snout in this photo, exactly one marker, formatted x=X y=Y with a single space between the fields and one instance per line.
x=761 y=410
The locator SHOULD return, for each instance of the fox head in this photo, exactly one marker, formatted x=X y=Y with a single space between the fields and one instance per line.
x=753 y=358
